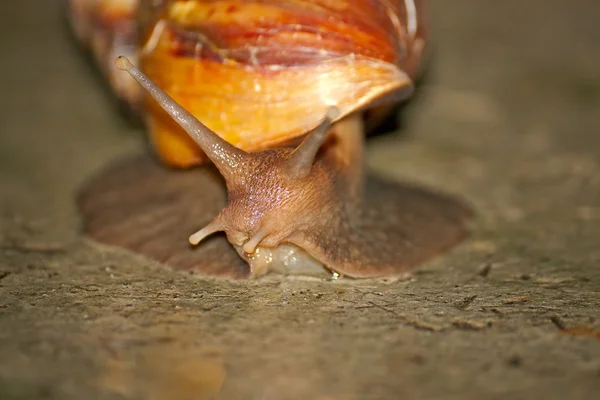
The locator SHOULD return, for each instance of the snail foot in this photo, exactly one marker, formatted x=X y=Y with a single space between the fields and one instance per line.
x=137 y=204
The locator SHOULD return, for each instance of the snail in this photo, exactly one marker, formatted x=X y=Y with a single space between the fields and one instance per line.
x=256 y=110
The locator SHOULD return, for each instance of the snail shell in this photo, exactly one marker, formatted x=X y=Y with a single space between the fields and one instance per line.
x=258 y=73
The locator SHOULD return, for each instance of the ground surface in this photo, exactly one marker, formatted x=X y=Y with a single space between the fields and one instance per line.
x=508 y=120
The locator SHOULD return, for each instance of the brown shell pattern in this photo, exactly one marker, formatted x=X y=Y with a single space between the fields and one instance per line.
x=259 y=73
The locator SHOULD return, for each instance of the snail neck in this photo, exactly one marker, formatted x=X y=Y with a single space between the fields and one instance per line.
x=344 y=151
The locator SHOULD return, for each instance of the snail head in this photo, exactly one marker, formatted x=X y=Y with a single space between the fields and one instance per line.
x=272 y=194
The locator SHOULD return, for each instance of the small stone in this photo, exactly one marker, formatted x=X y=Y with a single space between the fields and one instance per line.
x=515 y=361
x=465 y=303
x=485 y=269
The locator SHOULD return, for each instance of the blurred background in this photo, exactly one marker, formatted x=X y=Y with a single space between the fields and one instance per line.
x=506 y=119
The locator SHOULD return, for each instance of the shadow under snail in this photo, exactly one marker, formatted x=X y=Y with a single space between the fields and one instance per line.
x=274 y=94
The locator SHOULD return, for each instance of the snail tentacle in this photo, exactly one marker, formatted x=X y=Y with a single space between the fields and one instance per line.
x=303 y=157
x=215 y=225
x=224 y=155
x=254 y=241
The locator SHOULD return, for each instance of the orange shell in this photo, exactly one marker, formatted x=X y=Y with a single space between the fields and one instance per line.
x=261 y=73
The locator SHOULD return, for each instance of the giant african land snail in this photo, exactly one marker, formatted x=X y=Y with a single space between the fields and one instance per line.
x=256 y=77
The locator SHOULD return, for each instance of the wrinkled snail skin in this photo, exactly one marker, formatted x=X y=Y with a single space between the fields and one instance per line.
x=235 y=83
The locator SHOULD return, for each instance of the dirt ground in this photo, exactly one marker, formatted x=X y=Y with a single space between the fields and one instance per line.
x=507 y=120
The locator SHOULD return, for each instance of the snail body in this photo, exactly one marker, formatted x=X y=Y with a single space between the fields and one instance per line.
x=273 y=94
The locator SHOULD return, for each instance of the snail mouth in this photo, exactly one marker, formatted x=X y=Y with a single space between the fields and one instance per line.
x=286 y=258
